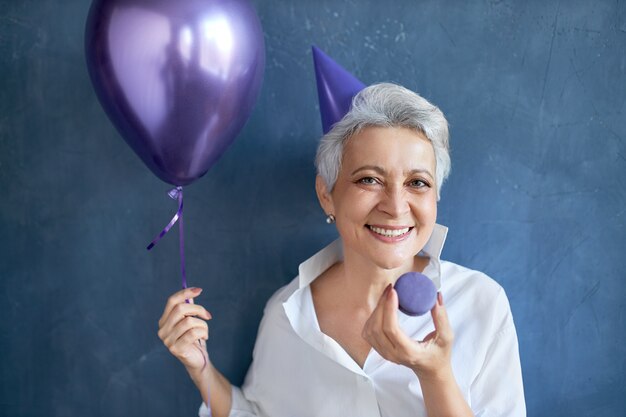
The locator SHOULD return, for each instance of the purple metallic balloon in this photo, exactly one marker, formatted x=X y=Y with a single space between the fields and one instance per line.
x=178 y=78
x=416 y=293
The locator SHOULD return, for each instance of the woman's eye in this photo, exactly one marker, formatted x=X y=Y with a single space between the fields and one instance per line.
x=419 y=184
x=367 y=181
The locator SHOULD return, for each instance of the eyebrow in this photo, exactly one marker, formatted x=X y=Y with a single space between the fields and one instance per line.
x=381 y=171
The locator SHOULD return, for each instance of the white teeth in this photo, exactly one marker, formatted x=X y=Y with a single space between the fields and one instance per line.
x=389 y=233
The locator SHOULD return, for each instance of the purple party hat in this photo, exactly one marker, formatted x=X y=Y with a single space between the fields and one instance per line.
x=335 y=88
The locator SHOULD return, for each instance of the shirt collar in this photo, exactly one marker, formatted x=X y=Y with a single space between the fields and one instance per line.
x=333 y=253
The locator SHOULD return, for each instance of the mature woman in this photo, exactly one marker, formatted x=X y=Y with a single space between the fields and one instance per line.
x=333 y=342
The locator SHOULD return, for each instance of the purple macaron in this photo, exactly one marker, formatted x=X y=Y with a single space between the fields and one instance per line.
x=416 y=293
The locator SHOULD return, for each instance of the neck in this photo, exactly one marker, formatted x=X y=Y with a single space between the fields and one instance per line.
x=363 y=282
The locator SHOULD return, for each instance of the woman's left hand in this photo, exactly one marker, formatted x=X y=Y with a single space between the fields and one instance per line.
x=428 y=358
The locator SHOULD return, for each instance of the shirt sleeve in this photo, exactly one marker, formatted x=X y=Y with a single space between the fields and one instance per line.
x=240 y=407
x=498 y=390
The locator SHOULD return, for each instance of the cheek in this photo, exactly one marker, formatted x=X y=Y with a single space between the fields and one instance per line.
x=356 y=204
x=433 y=209
x=426 y=210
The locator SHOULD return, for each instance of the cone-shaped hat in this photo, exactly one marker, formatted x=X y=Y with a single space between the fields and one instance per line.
x=335 y=88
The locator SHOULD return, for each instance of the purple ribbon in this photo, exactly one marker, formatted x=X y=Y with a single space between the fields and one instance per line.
x=175 y=194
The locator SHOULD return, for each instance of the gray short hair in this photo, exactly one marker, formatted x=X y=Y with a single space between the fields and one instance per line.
x=385 y=105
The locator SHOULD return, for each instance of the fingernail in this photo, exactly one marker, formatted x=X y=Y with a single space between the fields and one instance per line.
x=196 y=290
x=439 y=299
x=388 y=290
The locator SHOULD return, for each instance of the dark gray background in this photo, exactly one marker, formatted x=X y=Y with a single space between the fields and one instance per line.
x=535 y=93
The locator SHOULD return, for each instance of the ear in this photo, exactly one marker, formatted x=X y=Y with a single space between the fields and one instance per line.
x=324 y=197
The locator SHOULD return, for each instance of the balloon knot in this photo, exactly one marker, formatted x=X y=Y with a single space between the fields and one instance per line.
x=175 y=192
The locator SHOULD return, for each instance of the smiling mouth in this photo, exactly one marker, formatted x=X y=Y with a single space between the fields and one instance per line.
x=389 y=232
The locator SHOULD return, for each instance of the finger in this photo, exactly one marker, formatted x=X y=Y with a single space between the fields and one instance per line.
x=376 y=318
x=430 y=336
x=190 y=337
x=182 y=327
x=177 y=298
x=374 y=332
x=390 y=326
x=404 y=346
x=179 y=312
x=440 y=319
x=378 y=341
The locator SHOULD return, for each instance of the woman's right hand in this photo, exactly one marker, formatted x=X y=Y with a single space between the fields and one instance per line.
x=183 y=329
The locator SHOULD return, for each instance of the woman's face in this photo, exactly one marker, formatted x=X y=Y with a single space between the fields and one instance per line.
x=385 y=197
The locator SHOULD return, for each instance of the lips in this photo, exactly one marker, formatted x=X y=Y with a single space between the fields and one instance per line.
x=390 y=232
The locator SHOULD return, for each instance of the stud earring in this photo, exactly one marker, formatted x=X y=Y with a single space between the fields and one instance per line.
x=330 y=219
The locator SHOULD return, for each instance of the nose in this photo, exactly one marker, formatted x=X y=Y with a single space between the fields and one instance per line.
x=394 y=201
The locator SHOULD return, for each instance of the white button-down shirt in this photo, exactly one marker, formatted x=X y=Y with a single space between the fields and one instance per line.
x=298 y=371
